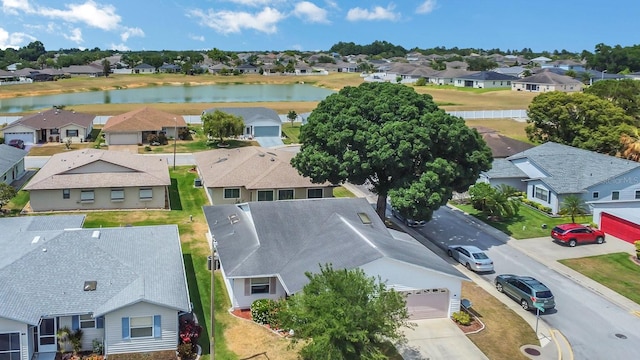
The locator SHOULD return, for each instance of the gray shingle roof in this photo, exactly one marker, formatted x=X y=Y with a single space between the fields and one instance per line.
x=9 y=156
x=502 y=169
x=250 y=115
x=130 y=265
x=54 y=119
x=489 y=76
x=289 y=238
x=573 y=170
x=548 y=77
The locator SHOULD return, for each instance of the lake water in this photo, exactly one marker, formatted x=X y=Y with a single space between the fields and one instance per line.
x=171 y=94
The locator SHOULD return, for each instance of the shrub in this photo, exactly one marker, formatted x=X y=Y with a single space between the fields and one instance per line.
x=189 y=332
x=97 y=346
x=265 y=311
x=421 y=82
x=147 y=148
x=462 y=318
x=186 y=351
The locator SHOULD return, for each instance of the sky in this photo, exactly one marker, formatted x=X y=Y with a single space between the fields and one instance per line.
x=316 y=25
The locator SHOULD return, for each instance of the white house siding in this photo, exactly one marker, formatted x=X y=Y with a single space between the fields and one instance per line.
x=82 y=133
x=11 y=326
x=14 y=173
x=132 y=138
x=51 y=200
x=115 y=344
x=27 y=134
x=88 y=335
x=242 y=301
x=403 y=276
x=626 y=184
x=552 y=201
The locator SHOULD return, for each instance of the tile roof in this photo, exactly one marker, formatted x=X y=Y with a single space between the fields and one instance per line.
x=54 y=119
x=143 y=119
x=9 y=157
x=130 y=265
x=252 y=167
x=289 y=238
x=67 y=170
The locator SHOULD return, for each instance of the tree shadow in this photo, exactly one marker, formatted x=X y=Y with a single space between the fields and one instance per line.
x=194 y=294
x=174 y=195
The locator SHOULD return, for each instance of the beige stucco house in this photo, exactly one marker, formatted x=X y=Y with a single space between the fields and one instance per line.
x=135 y=126
x=546 y=81
x=53 y=125
x=254 y=174
x=94 y=179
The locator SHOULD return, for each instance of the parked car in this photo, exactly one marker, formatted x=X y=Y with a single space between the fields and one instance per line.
x=16 y=143
x=526 y=290
x=573 y=234
x=407 y=221
x=471 y=257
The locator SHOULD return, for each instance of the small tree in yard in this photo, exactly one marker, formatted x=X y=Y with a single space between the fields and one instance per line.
x=343 y=314
x=573 y=205
x=221 y=125
x=292 y=116
x=7 y=192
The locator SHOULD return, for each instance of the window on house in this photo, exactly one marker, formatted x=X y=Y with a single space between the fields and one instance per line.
x=285 y=194
x=72 y=133
x=260 y=286
x=596 y=195
x=117 y=194
x=637 y=194
x=314 y=193
x=542 y=194
x=146 y=193
x=265 y=195
x=10 y=346
x=55 y=131
x=87 y=196
x=615 y=195
x=233 y=193
x=141 y=326
x=87 y=322
x=66 y=193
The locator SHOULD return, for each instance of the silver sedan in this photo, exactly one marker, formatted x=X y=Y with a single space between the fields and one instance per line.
x=471 y=257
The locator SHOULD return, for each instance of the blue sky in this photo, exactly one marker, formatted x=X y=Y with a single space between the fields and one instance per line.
x=246 y=25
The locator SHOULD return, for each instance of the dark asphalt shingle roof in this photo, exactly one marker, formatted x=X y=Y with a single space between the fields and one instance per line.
x=289 y=238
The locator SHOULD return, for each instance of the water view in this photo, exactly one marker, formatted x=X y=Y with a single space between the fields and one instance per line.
x=171 y=94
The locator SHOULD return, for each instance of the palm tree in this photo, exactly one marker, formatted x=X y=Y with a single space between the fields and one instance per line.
x=630 y=145
x=573 y=205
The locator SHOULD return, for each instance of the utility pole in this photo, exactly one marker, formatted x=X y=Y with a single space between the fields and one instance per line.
x=175 y=138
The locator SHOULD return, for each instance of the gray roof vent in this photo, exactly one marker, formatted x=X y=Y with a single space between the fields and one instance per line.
x=96 y=234
x=90 y=285
x=233 y=218
x=35 y=239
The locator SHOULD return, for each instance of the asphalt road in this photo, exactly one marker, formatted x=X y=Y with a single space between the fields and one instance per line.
x=589 y=321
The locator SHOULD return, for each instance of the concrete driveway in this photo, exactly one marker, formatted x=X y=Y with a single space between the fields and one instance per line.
x=545 y=247
x=438 y=339
x=128 y=148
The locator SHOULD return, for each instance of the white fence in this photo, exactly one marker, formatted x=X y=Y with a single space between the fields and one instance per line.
x=491 y=114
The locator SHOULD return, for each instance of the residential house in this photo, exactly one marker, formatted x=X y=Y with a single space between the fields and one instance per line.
x=264 y=250
x=259 y=122
x=517 y=71
x=135 y=127
x=124 y=287
x=91 y=70
x=7 y=77
x=547 y=81
x=447 y=77
x=457 y=65
x=247 y=69
x=541 y=60
x=93 y=179
x=11 y=163
x=501 y=146
x=484 y=80
x=550 y=172
x=53 y=125
x=565 y=65
x=254 y=174
x=170 y=68
x=144 y=69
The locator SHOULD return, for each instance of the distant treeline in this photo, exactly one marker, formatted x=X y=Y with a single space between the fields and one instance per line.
x=613 y=59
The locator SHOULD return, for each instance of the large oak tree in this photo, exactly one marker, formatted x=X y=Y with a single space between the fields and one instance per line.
x=396 y=140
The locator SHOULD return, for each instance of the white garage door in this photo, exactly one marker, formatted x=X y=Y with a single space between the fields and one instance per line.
x=27 y=137
x=123 y=139
x=428 y=304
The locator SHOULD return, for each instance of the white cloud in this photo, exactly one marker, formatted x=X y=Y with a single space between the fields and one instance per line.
x=119 y=47
x=12 y=6
x=196 y=37
x=227 y=22
x=426 y=7
x=378 y=13
x=75 y=35
x=255 y=3
x=90 y=13
x=128 y=32
x=13 y=40
x=310 y=12
x=296 y=47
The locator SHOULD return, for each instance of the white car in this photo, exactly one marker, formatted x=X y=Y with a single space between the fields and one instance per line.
x=471 y=257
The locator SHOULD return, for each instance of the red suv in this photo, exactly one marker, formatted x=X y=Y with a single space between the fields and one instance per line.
x=573 y=234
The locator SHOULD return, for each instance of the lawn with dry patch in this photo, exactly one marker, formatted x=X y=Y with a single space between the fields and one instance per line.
x=505 y=331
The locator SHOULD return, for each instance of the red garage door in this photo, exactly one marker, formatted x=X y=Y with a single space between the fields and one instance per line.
x=620 y=228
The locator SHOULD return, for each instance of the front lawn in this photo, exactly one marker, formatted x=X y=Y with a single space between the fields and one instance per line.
x=527 y=224
x=616 y=271
x=292 y=132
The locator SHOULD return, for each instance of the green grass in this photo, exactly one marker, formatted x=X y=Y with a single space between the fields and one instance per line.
x=616 y=271
x=291 y=132
x=342 y=192
x=198 y=144
x=18 y=202
x=528 y=223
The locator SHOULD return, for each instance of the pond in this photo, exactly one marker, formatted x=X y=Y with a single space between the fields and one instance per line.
x=172 y=94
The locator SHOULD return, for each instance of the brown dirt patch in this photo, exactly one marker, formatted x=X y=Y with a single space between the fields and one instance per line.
x=474 y=326
x=155 y=355
x=246 y=338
